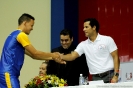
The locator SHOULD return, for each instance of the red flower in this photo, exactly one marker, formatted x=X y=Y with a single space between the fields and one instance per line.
x=38 y=82
x=65 y=84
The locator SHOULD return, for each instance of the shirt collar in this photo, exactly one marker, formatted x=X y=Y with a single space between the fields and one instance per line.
x=97 y=38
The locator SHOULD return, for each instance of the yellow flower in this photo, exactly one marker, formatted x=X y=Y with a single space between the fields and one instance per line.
x=42 y=78
x=62 y=80
x=31 y=81
x=48 y=79
x=61 y=85
x=52 y=81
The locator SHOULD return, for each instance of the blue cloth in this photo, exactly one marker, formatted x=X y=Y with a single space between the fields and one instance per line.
x=11 y=61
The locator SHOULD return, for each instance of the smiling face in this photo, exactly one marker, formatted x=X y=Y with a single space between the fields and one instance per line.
x=65 y=41
x=88 y=30
x=28 y=26
x=26 y=23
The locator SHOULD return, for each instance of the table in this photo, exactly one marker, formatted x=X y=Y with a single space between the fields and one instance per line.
x=107 y=85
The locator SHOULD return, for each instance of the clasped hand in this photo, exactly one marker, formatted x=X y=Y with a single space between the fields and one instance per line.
x=58 y=58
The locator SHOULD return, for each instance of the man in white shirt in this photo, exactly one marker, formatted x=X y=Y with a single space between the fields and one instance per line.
x=101 y=53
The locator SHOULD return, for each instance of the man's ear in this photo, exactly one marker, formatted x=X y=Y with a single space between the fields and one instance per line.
x=24 y=23
x=94 y=27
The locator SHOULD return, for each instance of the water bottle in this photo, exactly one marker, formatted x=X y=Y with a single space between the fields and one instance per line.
x=81 y=79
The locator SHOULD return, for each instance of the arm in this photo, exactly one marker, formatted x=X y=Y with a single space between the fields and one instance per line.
x=39 y=55
x=23 y=39
x=70 y=57
x=116 y=64
x=116 y=60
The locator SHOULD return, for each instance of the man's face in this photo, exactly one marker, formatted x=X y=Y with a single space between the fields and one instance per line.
x=29 y=26
x=88 y=30
x=65 y=41
x=42 y=69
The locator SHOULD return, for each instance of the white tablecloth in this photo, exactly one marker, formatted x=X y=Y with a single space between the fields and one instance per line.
x=107 y=85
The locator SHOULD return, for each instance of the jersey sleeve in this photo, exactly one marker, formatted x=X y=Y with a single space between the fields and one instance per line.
x=23 y=39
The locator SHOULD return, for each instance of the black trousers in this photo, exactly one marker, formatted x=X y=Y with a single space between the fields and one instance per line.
x=106 y=78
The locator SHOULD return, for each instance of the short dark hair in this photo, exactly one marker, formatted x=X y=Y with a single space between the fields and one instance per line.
x=25 y=17
x=66 y=32
x=93 y=22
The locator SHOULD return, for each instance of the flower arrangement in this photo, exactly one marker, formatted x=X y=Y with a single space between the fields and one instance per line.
x=46 y=82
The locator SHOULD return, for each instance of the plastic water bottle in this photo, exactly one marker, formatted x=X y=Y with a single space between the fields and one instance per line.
x=81 y=79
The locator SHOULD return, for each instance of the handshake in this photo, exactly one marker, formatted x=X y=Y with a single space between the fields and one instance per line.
x=57 y=57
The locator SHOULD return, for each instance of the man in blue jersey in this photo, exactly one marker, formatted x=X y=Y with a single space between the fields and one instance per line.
x=16 y=45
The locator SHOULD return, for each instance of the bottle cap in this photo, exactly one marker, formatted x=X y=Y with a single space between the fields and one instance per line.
x=81 y=74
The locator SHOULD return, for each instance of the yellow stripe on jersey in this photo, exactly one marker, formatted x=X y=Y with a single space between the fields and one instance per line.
x=23 y=39
x=8 y=82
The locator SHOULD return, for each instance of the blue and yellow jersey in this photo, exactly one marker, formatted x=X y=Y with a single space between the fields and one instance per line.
x=12 y=56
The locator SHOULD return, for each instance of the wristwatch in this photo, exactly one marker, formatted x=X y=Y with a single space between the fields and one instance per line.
x=116 y=74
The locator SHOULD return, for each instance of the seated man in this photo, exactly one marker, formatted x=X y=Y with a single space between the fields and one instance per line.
x=72 y=69
x=43 y=69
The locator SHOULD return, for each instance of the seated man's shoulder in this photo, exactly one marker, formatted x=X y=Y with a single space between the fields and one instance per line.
x=57 y=49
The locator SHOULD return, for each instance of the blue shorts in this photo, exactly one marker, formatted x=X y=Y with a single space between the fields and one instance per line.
x=9 y=81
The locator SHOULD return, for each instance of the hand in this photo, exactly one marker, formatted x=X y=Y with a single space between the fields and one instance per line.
x=56 y=55
x=114 y=79
x=58 y=58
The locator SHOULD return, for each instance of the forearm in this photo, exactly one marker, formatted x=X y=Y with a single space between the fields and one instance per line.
x=70 y=57
x=39 y=55
x=67 y=57
x=43 y=56
x=116 y=64
x=116 y=70
x=116 y=60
